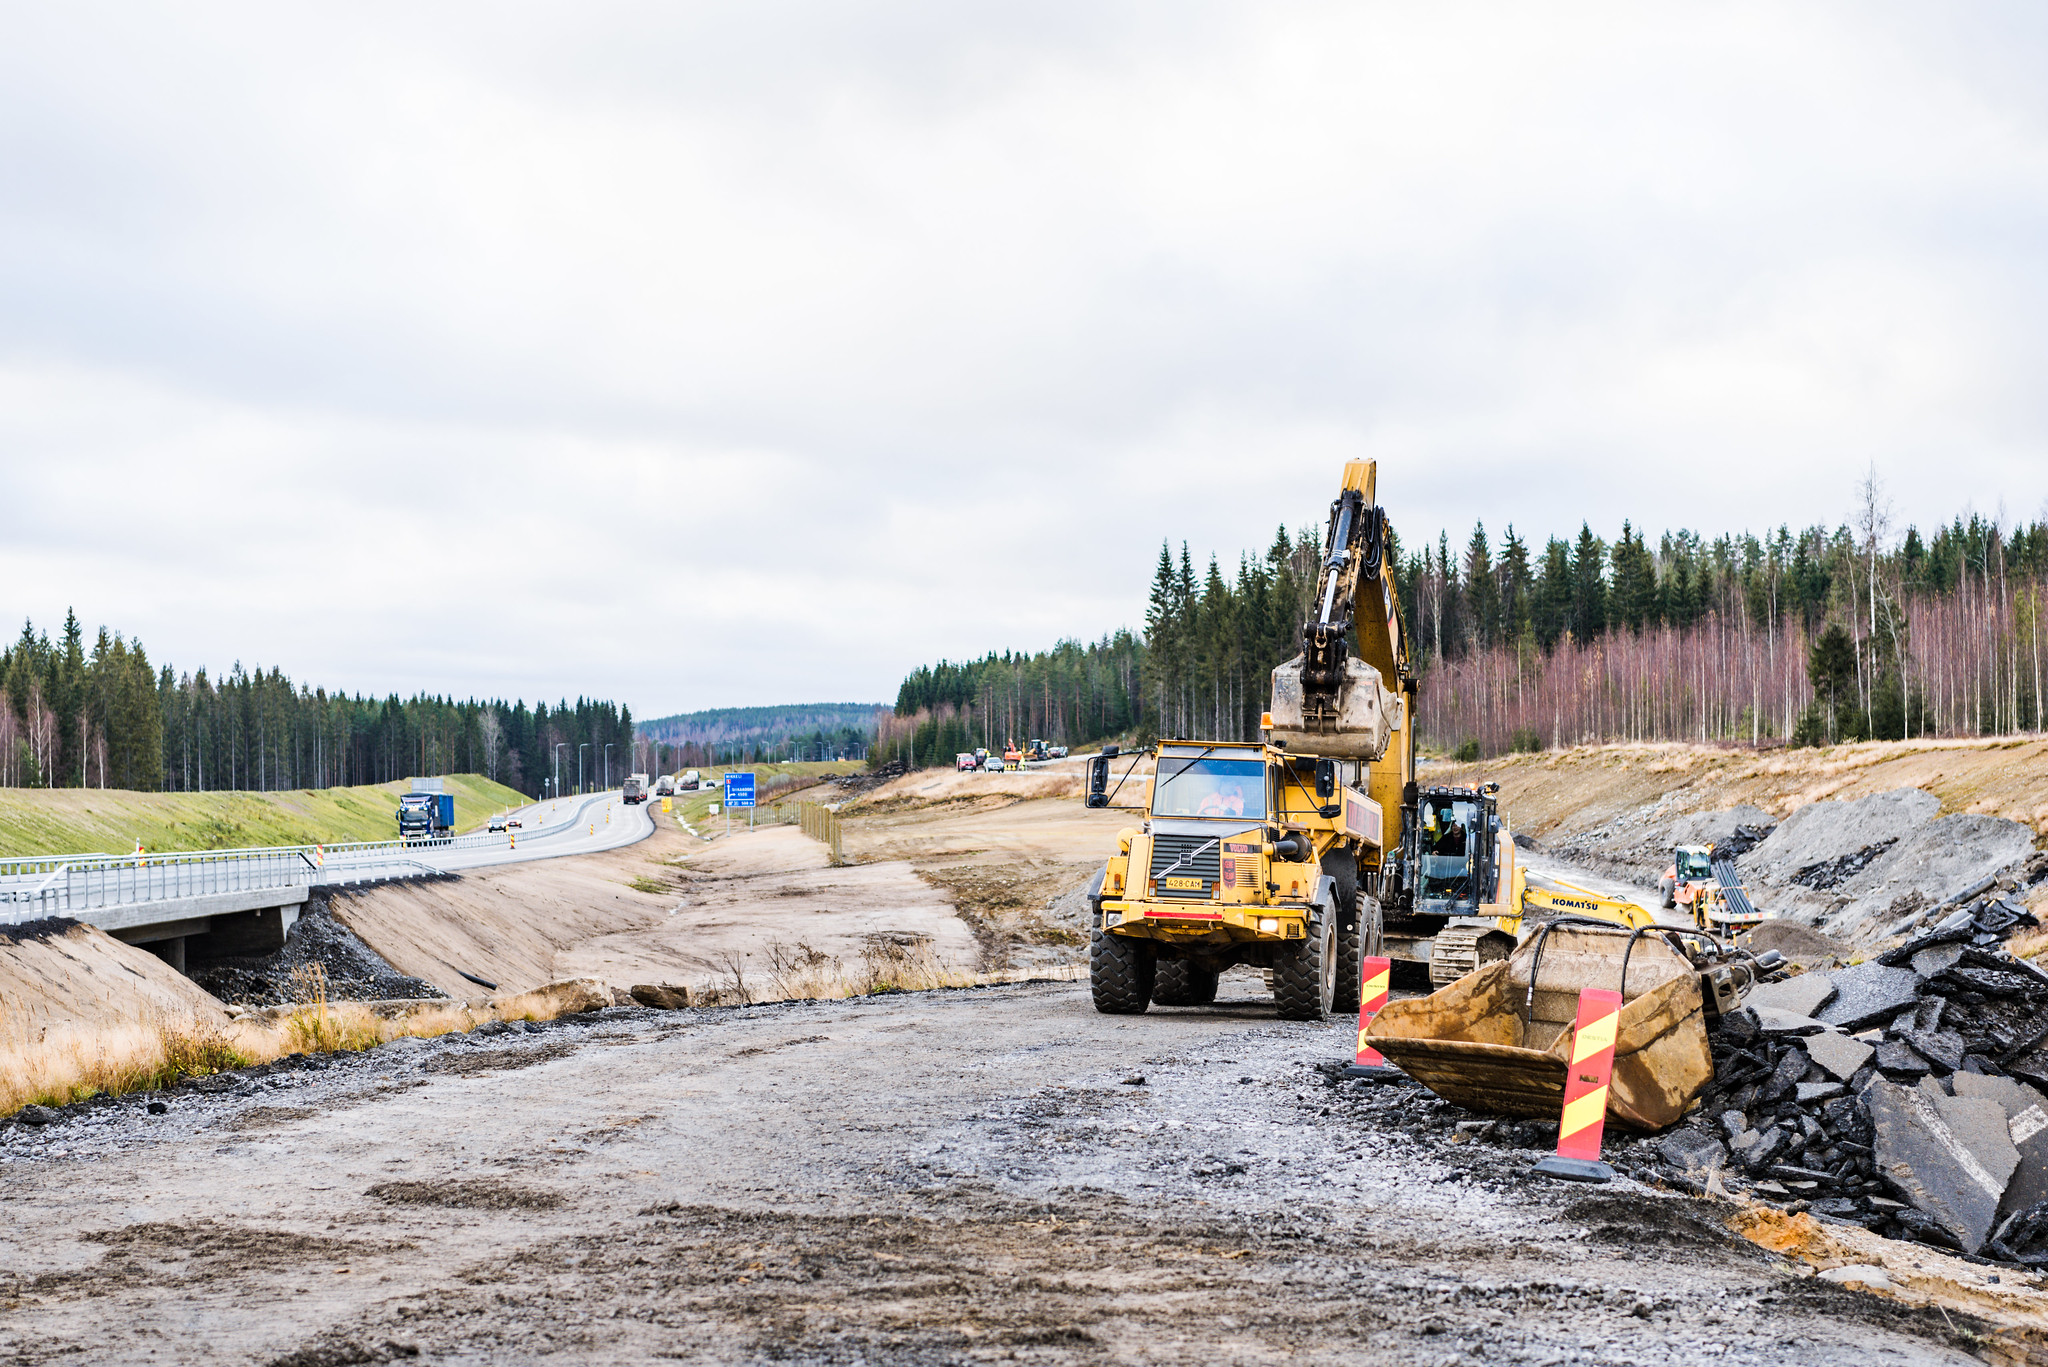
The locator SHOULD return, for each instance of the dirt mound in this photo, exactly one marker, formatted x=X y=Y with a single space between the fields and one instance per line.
x=1822 y=831
x=1802 y=944
x=353 y=971
x=936 y=787
x=1858 y=867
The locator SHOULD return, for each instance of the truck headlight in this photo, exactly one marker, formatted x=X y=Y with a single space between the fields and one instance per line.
x=1269 y=926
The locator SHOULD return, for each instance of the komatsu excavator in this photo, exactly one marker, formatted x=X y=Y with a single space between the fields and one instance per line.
x=1313 y=846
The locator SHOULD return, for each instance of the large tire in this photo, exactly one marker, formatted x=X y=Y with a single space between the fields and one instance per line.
x=1182 y=982
x=1341 y=866
x=1372 y=927
x=1120 y=972
x=1305 y=973
x=1669 y=891
x=1344 y=997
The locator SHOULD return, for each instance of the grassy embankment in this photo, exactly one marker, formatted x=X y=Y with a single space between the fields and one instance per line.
x=35 y=821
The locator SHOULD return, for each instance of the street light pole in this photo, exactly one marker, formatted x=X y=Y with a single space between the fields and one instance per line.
x=558 y=768
x=579 y=767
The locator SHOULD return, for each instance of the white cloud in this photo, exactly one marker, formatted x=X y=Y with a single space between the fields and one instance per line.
x=755 y=353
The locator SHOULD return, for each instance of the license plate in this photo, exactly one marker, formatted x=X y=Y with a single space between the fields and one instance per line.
x=1182 y=884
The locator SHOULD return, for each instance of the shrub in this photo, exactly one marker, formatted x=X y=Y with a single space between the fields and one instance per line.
x=1466 y=752
x=1525 y=742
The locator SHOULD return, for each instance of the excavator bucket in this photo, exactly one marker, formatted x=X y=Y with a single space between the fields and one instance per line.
x=1499 y=1040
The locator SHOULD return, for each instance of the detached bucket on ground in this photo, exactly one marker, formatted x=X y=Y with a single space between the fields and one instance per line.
x=1490 y=1043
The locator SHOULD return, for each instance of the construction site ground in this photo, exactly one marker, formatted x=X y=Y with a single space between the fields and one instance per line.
x=986 y=1173
x=974 y=1175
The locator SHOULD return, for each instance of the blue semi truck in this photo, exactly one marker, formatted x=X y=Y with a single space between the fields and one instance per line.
x=426 y=811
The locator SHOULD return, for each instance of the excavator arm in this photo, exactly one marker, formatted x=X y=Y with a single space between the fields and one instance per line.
x=1326 y=700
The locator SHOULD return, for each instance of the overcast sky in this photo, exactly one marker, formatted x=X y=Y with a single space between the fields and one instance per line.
x=702 y=355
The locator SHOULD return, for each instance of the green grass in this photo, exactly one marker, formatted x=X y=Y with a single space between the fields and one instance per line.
x=87 y=820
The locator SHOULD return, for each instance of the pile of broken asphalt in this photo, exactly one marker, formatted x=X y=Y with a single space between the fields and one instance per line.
x=1899 y=1094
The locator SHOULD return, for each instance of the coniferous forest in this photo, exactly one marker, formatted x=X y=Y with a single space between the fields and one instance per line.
x=1809 y=637
x=103 y=717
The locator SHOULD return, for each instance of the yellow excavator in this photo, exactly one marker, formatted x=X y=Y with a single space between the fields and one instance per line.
x=1313 y=846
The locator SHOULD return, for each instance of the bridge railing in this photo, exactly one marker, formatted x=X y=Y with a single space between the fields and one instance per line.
x=74 y=884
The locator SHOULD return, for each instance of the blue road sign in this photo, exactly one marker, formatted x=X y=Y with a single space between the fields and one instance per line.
x=739 y=790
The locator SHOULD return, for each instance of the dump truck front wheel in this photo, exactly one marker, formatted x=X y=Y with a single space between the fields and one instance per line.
x=1120 y=973
x=1305 y=973
x=1350 y=945
x=1182 y=982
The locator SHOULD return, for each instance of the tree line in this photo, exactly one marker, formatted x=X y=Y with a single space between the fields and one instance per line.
x=106 y=718
x=1809 y=636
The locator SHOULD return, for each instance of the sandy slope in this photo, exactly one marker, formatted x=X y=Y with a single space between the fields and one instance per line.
x=83 y=976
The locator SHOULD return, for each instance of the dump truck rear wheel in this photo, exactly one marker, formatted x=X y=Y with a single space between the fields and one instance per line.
x=1182 y=982
x=1372 y=928
x=1344 y=996
x=1305 y=973
x=1120 y=973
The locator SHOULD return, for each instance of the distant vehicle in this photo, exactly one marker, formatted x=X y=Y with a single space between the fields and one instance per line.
x=500 y=822
x=966 y=760
x=635 y=789
x=980 y=758
x=994 y=764
x=665 y=786
x=1012 y=756
x=1056 y=752
x=691 y=782
x=426 y=813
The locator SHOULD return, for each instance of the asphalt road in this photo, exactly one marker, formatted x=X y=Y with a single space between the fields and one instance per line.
x=983 y=1175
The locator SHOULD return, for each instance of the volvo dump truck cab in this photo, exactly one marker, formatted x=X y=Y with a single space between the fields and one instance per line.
x=1247 y=855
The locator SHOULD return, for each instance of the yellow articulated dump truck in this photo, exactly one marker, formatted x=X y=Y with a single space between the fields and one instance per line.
x=1271 y=852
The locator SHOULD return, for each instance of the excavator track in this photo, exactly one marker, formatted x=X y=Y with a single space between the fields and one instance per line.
x=1458 y=950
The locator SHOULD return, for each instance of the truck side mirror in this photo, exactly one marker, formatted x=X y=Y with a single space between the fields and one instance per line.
x=1326 y=778
x=1110 y=752
x=1098 y=780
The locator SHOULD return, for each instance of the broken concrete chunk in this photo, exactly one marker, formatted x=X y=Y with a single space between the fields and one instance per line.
x=1942 y=1048
x=1897 y=1056
x=1733 y=1123
x=2026 y=1124
x=1779 y=1084
x=1774 y=1022
x=1869 y=993
x=661 y=996
x=1818 y=1091
x=1839 y=1055
x=1801 y=996
x=1935 y=958
x=1951 y=1157
x=1691 y=1149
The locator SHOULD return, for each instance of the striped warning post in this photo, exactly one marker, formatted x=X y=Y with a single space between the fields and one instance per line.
x=1373 y=975
x=1585 y=1091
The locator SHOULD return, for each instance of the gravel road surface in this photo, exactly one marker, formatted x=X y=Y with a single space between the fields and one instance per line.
x=959 y=1176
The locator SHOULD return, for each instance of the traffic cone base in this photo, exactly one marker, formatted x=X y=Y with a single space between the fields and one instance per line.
x=1575 y=1169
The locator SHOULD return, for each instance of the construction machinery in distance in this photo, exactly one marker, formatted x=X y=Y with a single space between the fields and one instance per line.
x=1314 y=846
x=1691 y=872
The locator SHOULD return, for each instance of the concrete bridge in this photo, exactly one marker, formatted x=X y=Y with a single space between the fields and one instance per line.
x=235 y=902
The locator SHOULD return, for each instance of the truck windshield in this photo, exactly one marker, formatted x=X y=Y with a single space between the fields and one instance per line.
x=1693 y=864
x=1211 y=787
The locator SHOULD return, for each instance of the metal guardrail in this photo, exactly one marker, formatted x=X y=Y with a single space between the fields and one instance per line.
x=73 y=885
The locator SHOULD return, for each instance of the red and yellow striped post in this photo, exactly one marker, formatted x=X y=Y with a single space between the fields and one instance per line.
x=1585 y=1091
x=1373 y=975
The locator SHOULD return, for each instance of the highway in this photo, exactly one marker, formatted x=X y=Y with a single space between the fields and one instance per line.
x=139 y=891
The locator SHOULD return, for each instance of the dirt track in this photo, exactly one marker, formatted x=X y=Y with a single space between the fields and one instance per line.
x=915 y=1178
